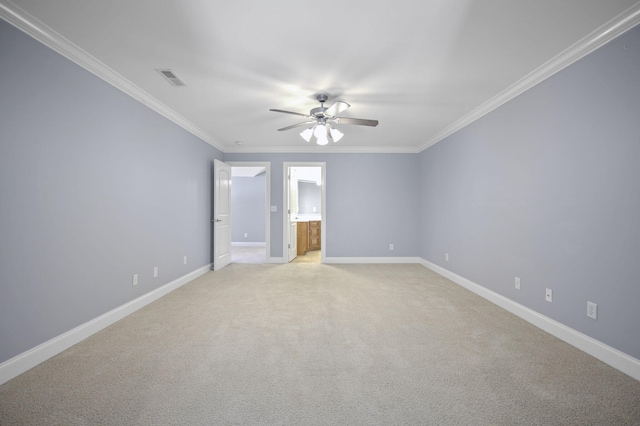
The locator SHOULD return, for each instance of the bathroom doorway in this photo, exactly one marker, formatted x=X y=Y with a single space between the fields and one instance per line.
x=305 y=212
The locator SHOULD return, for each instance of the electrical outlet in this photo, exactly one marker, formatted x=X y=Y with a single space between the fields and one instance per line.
x=517 y=283
x=274 y=208
x=390 y=246
x=592 y=310
x=246 y=235
x=549 y=295
x=135 y=279
x=446 y=257
x=184 y=261
x=155 y=272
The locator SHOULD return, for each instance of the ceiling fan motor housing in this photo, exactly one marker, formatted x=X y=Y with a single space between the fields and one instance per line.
x=322 y=116
x=318 y=112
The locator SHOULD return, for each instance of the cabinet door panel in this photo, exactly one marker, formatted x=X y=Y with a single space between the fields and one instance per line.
x=303 y=238
x=314 y=235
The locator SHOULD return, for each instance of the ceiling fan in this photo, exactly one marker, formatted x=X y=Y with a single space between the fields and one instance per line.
x=321 y=121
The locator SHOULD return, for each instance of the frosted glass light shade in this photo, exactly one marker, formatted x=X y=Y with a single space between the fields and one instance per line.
x=306 y=134
x=320 y=131
x=322 y=134
x=322 y=140
x=336 y=134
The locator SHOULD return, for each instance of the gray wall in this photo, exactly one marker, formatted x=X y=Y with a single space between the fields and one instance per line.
x=94 y=187
x=247 y=209
x=371 y=202
x=547 y=188
x=309 y=196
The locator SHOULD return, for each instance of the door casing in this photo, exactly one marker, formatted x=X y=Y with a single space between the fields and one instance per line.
x=286 y=219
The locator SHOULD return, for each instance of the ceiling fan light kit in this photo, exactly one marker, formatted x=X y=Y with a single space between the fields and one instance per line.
x=322 y=134
x=323 y=120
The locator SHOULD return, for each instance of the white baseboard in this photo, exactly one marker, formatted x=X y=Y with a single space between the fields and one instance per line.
x=371 y=260
x=611 y=356
x=250 y=244
x=27 y=360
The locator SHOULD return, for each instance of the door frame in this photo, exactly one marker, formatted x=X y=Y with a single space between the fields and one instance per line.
x=323 y=209
x=267 y=211
x=292 y=234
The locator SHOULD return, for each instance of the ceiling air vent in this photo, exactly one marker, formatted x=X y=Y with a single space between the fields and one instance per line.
x=173 y=79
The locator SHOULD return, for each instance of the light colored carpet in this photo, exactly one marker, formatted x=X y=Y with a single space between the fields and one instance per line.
x=248 y=254
x=309 y=257
x=314 y=344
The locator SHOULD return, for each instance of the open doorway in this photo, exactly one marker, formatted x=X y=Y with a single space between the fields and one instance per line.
x=305 y=212
x=250 y=212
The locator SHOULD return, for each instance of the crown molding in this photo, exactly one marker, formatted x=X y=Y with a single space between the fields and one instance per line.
x=316 y=149
x=38 y=30
x=598 y=38
x=45 y=35
x=50 y=38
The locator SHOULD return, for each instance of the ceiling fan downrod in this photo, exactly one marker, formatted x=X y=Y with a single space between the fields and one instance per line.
x=319 y=111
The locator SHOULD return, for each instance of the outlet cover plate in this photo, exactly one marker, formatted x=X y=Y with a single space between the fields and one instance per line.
x=592 y=310
x=549 y=295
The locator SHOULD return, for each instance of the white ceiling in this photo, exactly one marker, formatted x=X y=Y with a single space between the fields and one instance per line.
x=423 y=68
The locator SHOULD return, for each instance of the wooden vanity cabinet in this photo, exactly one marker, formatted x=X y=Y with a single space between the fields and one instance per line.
x=303 y=238
x=314 y=235
x=308 y=237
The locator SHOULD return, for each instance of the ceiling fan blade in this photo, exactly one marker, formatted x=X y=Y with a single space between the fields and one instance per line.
x=290 y=112
x=336 y=108
x=306 y=123
x=358 y=121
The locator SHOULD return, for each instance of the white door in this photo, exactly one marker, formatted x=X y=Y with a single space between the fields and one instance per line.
x=292 y=210
x=221 y=214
